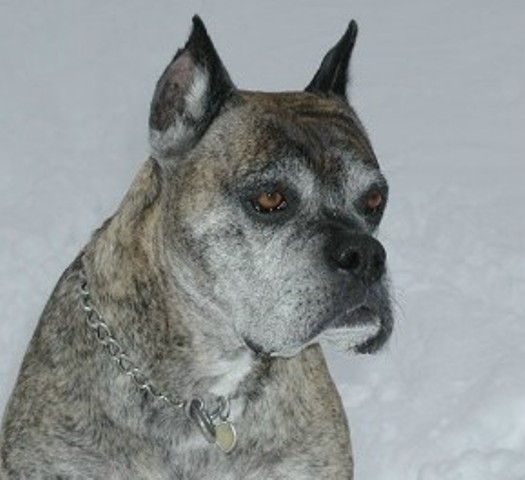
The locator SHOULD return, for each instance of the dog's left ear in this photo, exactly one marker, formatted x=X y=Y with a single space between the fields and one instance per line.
x=332 y=76
x=188 y=95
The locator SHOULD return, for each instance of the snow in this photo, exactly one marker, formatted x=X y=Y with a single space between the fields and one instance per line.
x=440 y=86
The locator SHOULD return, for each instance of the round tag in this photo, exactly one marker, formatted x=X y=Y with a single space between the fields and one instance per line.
x=225 y=436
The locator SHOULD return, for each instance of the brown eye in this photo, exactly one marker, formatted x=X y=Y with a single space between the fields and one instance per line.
x=269 y=202
x=374 y=200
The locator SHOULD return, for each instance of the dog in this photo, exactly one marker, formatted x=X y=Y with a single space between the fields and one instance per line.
x=183 y=341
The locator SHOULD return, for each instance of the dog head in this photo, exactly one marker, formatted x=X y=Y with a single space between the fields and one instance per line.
x=270 y=202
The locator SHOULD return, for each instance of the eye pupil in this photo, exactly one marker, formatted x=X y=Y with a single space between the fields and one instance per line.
x=269 y=202
x=374 y=200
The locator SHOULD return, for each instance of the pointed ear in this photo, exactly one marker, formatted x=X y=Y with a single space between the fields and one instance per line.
x=332 y=76
x=188 y=95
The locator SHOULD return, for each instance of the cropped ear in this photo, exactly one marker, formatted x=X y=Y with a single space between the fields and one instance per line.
x=332 y=76
x=188 y=95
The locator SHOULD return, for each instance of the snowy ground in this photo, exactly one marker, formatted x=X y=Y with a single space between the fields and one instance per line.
x=440 y=86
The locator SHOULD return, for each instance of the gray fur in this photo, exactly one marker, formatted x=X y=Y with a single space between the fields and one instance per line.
x=208 y=298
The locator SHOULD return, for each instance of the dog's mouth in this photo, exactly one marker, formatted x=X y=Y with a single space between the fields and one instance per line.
x=257 y=349
x=362 y=330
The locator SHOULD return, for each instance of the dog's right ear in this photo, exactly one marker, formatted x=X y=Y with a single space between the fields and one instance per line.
x=188 y=95
x=332 y=76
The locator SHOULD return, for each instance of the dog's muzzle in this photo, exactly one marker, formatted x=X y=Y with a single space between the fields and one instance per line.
x=364 y=321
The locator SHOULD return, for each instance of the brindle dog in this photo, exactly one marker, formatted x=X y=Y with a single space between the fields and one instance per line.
x=182 y=343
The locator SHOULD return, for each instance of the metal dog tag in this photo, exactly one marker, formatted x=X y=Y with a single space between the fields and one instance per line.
x=225 y=436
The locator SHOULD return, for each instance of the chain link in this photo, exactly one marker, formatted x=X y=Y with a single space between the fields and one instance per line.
x=104 y=335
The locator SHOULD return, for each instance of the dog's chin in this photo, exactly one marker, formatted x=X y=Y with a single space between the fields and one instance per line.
x=361 y=330
x=355 y=330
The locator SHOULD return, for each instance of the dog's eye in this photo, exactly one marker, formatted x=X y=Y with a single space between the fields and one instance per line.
x=374 y=201
x=269 y=202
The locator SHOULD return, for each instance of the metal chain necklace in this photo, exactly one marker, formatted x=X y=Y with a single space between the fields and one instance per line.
x=214 y=425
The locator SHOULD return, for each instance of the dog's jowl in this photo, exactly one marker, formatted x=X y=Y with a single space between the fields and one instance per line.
x=183 y=341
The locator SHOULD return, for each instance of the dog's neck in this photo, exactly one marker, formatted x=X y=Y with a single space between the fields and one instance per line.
x=184 y=358
x=210 y=410
x=186 y=349
x=179 y=351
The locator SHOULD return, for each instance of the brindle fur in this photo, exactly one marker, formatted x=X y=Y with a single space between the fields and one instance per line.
x=206 y=299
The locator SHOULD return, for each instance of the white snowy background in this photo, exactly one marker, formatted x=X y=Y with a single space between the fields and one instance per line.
x=440 y=87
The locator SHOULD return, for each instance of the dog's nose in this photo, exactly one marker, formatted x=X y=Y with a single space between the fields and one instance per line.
x=359 y=254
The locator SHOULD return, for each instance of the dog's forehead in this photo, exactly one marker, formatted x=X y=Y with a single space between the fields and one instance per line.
x=325 y=130
x=322 y=133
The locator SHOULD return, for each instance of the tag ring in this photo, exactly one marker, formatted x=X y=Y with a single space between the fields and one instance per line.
x=198 y=414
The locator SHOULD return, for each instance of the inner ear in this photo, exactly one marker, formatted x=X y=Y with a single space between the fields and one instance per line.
x=188 y=95
x=174 y=95
x=332 y=76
